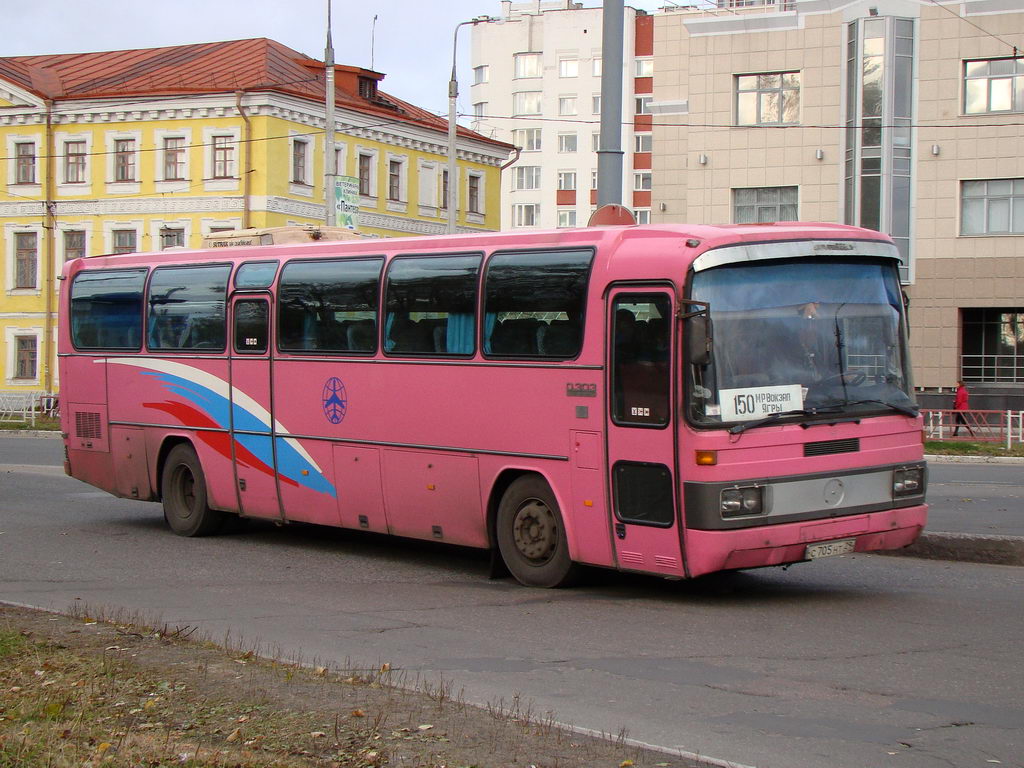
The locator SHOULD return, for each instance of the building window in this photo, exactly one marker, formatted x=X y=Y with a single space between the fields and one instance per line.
x=595 y=68
x=124 y=241
x=223 y=157
x=480 y=110
x=567 y=105
x=526 y=177
x=366 y=175
x=174 y=159
x=568 y=67
x=300 y=150
x=593 y=179
x=642 y=180
x=26 y=256
x=74 y=162
x=595 y=141
x=993 y=85
x=993 y=345
x=567 y=142
x=527 y=65
x=992 y=207
x=643 y=105
x=525 y=214
x=481 y=74
x=124 y=160
x=526 y=103
x=595 y=105
x=26 y=351
x=567 y=180
x=395 y=180
x=25 y=163
x=566 y=218
x=644 y=68
x=528 y=139
x=642 y=142
x=367 y=88
x=74 y=244
x=764 y=205
x=474 y=205
x=642 y=215
x=769 y=99
x=444 y=189
x=172 y=238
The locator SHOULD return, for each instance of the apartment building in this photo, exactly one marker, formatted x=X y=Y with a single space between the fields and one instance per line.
x=155 y=148
x=537 y=84
x=905 y=116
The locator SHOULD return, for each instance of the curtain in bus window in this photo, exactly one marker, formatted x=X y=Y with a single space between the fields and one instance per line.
x=106 y=309
x=534 y=303
x=187 y=308
x=329 y=305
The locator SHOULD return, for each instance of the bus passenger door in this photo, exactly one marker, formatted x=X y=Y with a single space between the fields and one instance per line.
x=641 y=430
x=252 y=408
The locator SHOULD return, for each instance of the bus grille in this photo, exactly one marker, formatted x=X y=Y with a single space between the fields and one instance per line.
x=828 y=447
x=87 y=425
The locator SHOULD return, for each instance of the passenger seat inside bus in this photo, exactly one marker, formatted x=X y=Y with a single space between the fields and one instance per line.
x=560 y=338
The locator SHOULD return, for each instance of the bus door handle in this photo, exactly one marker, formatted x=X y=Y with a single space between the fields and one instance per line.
x=620 y=530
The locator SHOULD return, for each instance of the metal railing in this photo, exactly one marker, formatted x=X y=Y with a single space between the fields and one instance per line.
x=1004 y=427
x=18 y=407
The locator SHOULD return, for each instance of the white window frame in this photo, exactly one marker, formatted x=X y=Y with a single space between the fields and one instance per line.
x=523 y=211
x=595 y=104
x=642 y=215
x=164 y=184
x=156 y=227
x=302 y=188
x=566 y=218
x=569 y=66
x=642 y=105
x=477 y=217
x=639 y=139
x=75 y=188
x=11 y=334
x=1013 y=202
x=566 y=181
x=70 y=226
x=563 y=140
x=231 y=182
x=401 y=205
x=568 y=105
x=535 y=133
x=531 y=71
x=115 y=187
x=11 y=259
x=643 y=67
x=526 y=178
x=481 y=74
x=520 y=108
x=735 y=206
x=374 y=154
x=596 y=66
x=13 y=140
x=1016 y=104
x=427 y=175
x=109 y=227
x=642 y=181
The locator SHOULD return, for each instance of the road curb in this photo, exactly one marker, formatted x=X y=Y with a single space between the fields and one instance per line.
x=29 y=433
x=965 y=548
x=942 y=458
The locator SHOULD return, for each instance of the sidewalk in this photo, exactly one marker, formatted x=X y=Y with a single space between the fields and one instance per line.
x=932 y=545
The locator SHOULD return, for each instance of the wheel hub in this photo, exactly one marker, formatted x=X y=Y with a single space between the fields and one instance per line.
x=534 y=531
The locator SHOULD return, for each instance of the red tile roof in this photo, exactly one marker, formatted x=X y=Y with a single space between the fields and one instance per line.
x=252 y=65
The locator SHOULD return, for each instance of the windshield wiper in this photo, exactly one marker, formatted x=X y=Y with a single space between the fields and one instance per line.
x=904 y=409
x=740 y=428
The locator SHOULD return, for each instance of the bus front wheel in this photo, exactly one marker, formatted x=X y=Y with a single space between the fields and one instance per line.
x=184 y=492
x=531 y=535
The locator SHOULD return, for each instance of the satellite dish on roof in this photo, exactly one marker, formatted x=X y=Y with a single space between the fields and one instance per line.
x=611 y=215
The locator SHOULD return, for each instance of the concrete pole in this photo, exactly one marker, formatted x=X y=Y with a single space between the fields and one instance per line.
x=453 y=94
x=609 y=153
x=330 y=171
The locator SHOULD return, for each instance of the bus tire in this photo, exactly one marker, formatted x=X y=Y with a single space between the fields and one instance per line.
x=184 y=494
x=531 y=535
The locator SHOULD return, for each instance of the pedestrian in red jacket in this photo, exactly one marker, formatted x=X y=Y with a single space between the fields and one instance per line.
x=960 y=404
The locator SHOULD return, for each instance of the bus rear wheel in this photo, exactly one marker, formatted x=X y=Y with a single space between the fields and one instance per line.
x=531 y=535
x=184 y=491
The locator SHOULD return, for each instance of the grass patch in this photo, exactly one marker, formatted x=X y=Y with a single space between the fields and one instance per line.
x=957 y=448
x=42 y=423
x=77 y=692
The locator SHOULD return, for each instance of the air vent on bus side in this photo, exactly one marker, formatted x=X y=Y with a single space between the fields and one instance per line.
x=828 y=447
x=87 y=425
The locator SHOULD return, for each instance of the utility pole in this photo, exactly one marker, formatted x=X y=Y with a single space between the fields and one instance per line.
x=330 y=171
x=609 y=153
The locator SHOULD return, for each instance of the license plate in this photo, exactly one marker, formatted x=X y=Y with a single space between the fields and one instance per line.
x=829 y=548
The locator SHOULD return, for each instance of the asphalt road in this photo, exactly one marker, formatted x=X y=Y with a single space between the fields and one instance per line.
x=847 y=662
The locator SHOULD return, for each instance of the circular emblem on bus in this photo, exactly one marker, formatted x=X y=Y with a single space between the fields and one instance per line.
x=834 y=492
x=335 y=400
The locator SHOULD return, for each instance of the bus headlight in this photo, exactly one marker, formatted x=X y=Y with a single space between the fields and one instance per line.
x=907 y=481
x=736 y=502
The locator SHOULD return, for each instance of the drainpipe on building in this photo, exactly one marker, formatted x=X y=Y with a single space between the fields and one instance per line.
x=246 y=159
x=50 y=236
x=609 y=154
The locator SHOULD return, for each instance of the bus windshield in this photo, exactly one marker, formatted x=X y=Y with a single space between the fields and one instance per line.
x=802 y=337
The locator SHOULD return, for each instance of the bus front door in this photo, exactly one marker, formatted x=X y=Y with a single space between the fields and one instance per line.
x=641 y=437
x=252 y=422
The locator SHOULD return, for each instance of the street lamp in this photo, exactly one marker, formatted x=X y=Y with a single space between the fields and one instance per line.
x=453 y=93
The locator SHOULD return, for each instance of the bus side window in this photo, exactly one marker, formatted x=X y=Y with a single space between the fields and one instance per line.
x=431 y=305
x=106 y=309
x=533 y=303
x=329 y=305
x=187 y=308
x=641 y=375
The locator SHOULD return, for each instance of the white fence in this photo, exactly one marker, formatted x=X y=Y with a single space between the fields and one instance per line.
x=1005 y=427
x=25 y=407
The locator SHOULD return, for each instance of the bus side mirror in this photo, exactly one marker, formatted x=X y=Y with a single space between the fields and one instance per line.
x=698 y=339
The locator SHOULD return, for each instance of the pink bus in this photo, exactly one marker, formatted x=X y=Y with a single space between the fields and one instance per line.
x=673 y=400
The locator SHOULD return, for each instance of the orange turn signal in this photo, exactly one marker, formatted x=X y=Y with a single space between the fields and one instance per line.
x=706 y=458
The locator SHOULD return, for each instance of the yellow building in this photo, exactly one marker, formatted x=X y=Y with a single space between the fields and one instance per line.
x=154 y=148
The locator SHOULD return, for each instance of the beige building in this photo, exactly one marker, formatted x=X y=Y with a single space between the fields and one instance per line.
x=905 y=116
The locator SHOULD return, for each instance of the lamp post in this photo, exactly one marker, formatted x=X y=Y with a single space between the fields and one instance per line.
x=330 y=171
x=453 y=93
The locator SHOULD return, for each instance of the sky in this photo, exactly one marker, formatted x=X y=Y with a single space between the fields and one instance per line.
x=412 y=40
